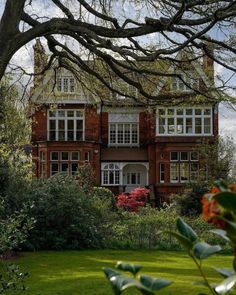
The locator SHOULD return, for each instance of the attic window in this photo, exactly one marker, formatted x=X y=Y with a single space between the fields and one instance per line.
x=189 y=82
x=66 y=84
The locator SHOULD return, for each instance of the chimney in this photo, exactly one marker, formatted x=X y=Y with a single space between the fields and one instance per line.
x=208 y=62
x=40 y=61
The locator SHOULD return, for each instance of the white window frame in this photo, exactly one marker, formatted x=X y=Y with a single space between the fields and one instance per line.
x=105 y=167
x=185 y=116
x=130 y=143
x=179 y=162
x=60 y=162
x=60 y=84
x=66 y=118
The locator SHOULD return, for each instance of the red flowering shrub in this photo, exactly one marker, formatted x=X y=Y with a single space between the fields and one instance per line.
x=131 y=202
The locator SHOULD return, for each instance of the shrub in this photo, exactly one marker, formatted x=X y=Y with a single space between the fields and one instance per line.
x=65 y=216
x=131 y=202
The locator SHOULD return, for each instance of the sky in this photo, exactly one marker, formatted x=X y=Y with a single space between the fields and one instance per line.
x=227 y=116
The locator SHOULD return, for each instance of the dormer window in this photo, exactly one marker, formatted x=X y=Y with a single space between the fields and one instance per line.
x=66 y=84
x=189 y=82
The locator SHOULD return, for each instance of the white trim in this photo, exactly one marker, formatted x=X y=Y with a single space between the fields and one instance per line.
x=185 y=116
x=130 y=143
x=66 y=118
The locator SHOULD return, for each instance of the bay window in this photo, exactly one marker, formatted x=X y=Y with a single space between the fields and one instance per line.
x=184 y=167
x=64 y=162
x=184 y=121
x=65 y=125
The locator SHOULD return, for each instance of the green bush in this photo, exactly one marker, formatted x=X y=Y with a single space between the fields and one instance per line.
x=66 y=216
x=145 y=229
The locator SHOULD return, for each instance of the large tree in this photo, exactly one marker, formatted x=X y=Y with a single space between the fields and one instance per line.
x=123 y=36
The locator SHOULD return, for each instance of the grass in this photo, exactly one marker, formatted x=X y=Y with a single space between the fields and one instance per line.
x=80 y=272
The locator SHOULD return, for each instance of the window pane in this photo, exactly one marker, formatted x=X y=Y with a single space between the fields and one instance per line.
x=161 y=112
x=180 y=125
x=170 y=112
x=74 y=168
x=198 y=125
x=184 y=172
x=79 y=124
x=52 y=135
x=59 y=86
x=54 y=156
x=105 y=177
x=65 y=84
x=161 y=125
x=189 y=112
x=171 y=125
x=61 y=124
x=64 y=156
x=174 y=156
x=180 y=112
x=134 y=133
x=64 y=167
x=207 y=125
x=207 y=112
x=70 y=113
x=117 y=177
x=184 y=156
x=52 y=113
x=112 y=133
x=189 y=126
x=127 y=133
x=70 y=135
x=70 y=124
x=54 y=168
x=162 y=172
x=61 y=113
x=79 y=135
x=174 y=172
x=120 y=133
x=61 y=135
x=111 y=177
x=79 y=114
x=75 y=156
x=52 y=124
x=86 y=156
x=72 y=84
x=198 y=112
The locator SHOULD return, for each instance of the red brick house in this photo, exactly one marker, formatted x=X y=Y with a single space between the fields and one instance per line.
x=126 y=146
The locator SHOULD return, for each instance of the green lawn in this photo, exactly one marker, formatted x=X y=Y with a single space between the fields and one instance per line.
x=80 y=272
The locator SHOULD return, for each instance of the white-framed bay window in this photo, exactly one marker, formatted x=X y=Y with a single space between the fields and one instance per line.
x=184 y=166
x=111 y=174
x=65 y=125
x=188 y=121
x=123 y=129
x=64 y=161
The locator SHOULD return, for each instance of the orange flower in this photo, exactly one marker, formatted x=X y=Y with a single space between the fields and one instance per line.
x=211 y=211
x=233 y=187
x=214 y=190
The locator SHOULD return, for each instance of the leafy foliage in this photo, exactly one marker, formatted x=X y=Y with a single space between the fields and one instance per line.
x=132 y=201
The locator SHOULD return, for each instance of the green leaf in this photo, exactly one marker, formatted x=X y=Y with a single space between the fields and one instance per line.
x=121 y=282
x=221 y=185
x=225 y=272
x=203 y=250
x=220 y=232
x=182 y=240
x=226 y=285
x=227 y=200
x=133 y=268
x=154 y=284
x=186 y=231
x=109 y=272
